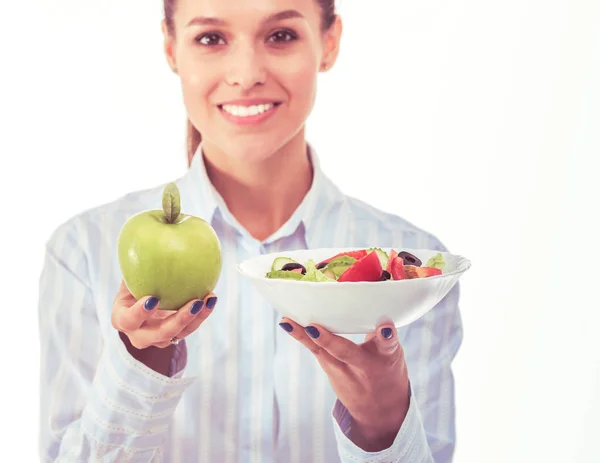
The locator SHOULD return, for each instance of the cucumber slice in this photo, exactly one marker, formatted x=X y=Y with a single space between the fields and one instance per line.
x=279 y=262
x=342 y=260
x=330 y=274
x=315 y=275
x=285 y=275
x=339 y=265
x=383 y=257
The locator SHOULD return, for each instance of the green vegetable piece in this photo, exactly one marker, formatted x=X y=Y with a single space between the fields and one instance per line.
x=330 y=274
x=342 y=260
x=314 y=275
x=279 y=262
x=285 y=274
x=339 y=265
x=436 y=261
x=383 y=256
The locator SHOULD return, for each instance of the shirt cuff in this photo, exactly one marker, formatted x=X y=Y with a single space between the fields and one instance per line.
x=410 y=443
x=129 y=403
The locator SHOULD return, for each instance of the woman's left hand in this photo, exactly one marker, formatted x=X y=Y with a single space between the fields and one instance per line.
x=369 y=379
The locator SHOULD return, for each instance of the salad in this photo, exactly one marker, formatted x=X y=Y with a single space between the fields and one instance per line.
x=372 y=264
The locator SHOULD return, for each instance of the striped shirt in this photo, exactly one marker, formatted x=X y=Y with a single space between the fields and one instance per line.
x=241 y=390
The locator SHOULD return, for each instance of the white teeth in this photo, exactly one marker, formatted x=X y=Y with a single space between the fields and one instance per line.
x=245 y=111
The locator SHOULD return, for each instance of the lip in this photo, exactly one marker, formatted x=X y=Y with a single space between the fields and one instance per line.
x=250 y=120
x=249 y=102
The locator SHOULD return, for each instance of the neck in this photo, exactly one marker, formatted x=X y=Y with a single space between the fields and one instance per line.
x=262 y=195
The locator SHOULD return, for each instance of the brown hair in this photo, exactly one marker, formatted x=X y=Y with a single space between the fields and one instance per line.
x=193 y=136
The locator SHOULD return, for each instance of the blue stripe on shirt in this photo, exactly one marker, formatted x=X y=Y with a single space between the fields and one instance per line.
x=248 y=391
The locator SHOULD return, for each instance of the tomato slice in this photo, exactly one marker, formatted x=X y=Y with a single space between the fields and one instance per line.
x=367 y=268
x=420 y=272
x=425 y=272
x=356 y=254
x=393 y=255
x=398 y=270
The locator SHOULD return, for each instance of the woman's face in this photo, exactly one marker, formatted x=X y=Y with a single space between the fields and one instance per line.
x=249 y=69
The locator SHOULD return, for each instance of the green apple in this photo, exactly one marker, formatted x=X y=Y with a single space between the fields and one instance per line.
x=165 y=253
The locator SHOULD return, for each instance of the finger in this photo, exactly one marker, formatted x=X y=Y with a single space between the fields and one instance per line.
x=299 y=334
x=338 y=347
x=170 y=327
x=128 y=314
x=386 y=339
x=200 y=318
x=158 y=315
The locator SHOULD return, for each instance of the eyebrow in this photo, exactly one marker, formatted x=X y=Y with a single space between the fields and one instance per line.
x=206 y=21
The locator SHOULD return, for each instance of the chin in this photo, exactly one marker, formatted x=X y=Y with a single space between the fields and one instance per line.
x=254 y=148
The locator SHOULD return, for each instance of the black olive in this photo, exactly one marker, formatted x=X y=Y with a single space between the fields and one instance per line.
x=410 y=259
x=293 y=266
x=385 y=275
x=321 y=265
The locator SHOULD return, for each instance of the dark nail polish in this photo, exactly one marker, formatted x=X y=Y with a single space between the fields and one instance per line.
x=387 y=333
x=287 y=327
x=151 y=303
x=312 y=332
x=196 y=307
x=212 y=301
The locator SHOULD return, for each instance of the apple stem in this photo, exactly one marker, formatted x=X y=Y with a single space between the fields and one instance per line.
x=171 y=202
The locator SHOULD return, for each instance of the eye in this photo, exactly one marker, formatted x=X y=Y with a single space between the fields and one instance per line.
x=283 y=36
x=210 y=39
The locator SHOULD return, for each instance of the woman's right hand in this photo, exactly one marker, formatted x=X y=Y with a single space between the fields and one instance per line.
x=147 y=326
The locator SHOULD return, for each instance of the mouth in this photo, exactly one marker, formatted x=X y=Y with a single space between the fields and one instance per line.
x=249 y=114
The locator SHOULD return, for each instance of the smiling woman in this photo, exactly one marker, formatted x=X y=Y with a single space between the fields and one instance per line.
x=150 y=385
x=288 y=41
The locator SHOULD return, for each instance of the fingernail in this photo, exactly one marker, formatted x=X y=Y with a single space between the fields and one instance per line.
x=196 y=307
x=387 y=333
x=151 y=303
x=212 y=301
x=312 y=332
x=287 y=327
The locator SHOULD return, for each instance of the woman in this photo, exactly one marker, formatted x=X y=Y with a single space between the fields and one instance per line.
x=120 y=382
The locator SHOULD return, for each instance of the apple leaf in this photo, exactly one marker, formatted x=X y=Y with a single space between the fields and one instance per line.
x=171 y=202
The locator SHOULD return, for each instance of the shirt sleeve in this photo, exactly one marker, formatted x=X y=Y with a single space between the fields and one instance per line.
x=97 y=402
x=427 y=434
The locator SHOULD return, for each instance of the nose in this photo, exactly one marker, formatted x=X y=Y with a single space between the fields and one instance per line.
x=247 y=67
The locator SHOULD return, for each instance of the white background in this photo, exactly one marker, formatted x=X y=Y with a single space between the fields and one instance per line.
x=477 y=120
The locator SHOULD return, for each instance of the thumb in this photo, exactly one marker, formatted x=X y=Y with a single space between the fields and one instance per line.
x=386 y=339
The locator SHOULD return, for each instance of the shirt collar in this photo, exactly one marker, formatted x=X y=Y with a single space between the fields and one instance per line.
x=198 y=189
x=205 y=201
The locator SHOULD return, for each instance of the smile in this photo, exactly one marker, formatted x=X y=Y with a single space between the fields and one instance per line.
x=248 y=115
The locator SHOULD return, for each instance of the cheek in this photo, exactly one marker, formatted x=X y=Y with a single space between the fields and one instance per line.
x=197 y=81
x=300 y=79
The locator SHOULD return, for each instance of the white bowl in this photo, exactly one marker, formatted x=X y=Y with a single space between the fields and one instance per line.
x=352 y=307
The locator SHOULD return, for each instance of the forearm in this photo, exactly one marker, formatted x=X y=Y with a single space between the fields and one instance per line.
x=376 y=430
x=98 y=403
x=153 y=357
x=431 y=436
x=374 y=436
x=126 y=412
x=409 y=443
